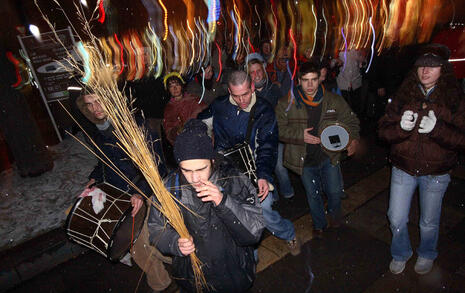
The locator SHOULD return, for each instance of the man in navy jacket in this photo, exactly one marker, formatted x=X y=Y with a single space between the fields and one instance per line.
x=229 y=116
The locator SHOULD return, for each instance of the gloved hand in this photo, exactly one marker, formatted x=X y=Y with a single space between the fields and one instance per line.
x=408 y=120
x=427 y=122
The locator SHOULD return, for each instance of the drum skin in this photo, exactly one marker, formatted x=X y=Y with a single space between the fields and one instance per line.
x=335 y=137
x=110 y=231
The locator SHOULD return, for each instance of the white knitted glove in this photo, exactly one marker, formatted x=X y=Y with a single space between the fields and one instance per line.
x=408 y=120
x=427 y=122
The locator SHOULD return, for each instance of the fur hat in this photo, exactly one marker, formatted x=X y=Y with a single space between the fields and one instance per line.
x=193 y=142
x=433 y=55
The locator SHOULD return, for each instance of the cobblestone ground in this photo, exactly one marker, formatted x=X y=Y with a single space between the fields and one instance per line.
x=32 y=206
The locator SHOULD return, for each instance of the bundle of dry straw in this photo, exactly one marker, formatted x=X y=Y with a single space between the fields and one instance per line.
x=132 y=139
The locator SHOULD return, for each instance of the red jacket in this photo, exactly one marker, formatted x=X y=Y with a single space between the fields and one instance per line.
x=177 y=113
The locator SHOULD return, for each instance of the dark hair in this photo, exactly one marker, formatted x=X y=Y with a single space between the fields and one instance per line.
x=447 y=92
x=173 y=79
x=308 y=67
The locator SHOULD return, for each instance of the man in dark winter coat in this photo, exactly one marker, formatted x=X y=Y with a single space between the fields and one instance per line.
x=100 y=130
x=229 y=116
x=221 y=212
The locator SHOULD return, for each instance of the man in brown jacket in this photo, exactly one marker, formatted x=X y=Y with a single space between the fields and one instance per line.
x=301 y=118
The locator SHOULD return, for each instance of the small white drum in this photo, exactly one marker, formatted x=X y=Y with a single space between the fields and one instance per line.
x=335 y=137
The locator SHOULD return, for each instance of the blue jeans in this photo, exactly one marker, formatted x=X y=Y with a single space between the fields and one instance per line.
x=328 y=177
x=432 y=189
x=278 y=226
x=285 y=186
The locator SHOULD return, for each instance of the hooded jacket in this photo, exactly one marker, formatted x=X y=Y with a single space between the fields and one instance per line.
x=223 y=235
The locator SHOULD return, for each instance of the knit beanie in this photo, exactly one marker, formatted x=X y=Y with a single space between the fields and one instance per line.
x=193 y=142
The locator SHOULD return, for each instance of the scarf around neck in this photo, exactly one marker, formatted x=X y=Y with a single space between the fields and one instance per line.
x=302 y=97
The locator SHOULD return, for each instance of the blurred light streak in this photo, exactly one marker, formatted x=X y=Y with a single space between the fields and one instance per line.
x=291 y=35
x=206 y=52
x=191 y=62
x=273 y=20
x=428 y=19
x=107 y=54
x=140 y=55
x=345 y=50
x=239 y=26
x=361 y=23
x=219 y=61
x=314 y=31
x=156 y=44
x=199 y=40
x=183 y=51
x=203 y=85
x=176 y=54
x=346 y=22
x=121 y=54
x=250 y=45
x=114 y=55
x=190 y=10
x=386 y=16
x=370 y=7
x=15 y=62
x=372 y=45
x=291 y=91
x=101 y=12
x=86 y=62
x=165 y=19
x=326 y=33
x=236 y=35
x=214 y=7
x=131 y=73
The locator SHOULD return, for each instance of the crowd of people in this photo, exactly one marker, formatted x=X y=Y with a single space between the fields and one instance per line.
x=256 y=106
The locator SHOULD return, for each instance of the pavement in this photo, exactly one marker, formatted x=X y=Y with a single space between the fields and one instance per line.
x=352 y=258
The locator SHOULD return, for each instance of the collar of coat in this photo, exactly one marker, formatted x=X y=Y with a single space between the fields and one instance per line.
x=253 y=100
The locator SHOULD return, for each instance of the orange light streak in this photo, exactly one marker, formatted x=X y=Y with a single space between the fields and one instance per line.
x=165 y=19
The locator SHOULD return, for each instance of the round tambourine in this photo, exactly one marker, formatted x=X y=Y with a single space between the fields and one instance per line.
x=334 y=137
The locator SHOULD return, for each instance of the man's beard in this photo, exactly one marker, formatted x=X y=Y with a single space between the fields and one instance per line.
x=260 y=84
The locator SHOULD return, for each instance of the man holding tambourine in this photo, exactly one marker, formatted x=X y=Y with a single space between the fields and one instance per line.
x=316 y=126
